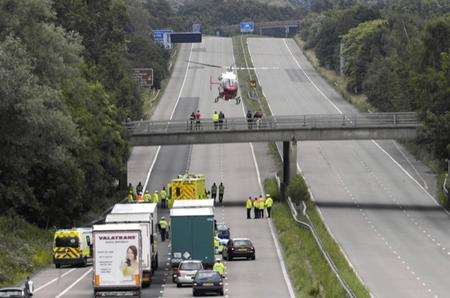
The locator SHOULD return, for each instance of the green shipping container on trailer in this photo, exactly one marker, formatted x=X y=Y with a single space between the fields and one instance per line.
x=192 y=235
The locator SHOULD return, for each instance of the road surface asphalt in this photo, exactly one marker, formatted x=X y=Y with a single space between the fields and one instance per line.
x=372 y=195
x=233 y=164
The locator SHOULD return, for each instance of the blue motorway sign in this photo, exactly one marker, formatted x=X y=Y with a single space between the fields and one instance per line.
x=247 y=27
x=158 y=35
x=196 y=27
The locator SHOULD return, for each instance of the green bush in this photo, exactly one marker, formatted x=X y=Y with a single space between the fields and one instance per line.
x=271 y=187
x=297 y=190
x=24 y=248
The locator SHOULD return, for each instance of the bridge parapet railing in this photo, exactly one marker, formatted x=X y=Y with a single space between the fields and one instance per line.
x=312 y=121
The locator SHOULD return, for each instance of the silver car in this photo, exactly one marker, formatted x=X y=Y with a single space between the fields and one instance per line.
x=186 y=272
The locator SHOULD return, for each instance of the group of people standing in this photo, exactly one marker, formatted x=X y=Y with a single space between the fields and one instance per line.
x=138 y=196
x=254 y=120
x=195 y=120
x=214 y=192
x=258 y=204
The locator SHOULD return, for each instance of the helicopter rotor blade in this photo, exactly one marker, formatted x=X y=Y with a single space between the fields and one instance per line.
x=205 y=64
x=254 y=68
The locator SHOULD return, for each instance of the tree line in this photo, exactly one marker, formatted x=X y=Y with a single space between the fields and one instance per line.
x=66 y=87
x=397 y=53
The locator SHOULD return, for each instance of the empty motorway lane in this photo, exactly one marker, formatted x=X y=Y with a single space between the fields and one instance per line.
x=390 y=228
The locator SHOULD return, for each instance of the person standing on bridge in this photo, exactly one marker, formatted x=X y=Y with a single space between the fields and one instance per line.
x=215 y=119
x=249 y=119
x=163 y=195
x=191 y=120
x=258 y=118
x=248 y=206
x=197 y=120
x=221 y=119
x=214 y=192
x=221 y=191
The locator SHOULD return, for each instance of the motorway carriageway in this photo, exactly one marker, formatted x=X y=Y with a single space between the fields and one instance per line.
x=236 y=165
x=374 y=198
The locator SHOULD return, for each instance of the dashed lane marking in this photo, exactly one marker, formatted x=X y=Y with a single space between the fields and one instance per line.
x=55 y=279
x=72 y=285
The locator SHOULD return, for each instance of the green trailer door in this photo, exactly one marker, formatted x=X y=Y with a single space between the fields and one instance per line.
x=203 y=238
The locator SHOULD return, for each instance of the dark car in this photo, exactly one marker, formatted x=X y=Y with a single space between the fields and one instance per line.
x=207 y=281
x=239 y=248
x=12 y=292
x=223 y=231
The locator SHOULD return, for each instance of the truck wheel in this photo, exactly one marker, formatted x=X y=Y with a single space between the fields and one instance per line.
x=253 y=257
x=194 y=293
x=157 y=262
x=178 y=285
x=57 y=265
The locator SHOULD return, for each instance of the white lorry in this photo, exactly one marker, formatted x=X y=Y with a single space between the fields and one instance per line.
x=117 y=260
x=145 y=215
x=205 y=203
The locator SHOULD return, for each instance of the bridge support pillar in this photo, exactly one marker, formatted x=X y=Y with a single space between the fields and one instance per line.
x=289 y=165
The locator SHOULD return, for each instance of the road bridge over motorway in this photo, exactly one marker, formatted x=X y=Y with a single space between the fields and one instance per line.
x=273 y=28
x=286 y=129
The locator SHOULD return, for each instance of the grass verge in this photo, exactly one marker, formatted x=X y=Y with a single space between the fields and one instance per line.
x=337 y=81
x=307 y=267
x=24 y=248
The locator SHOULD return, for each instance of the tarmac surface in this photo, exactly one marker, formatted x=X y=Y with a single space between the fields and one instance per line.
x=374 y=197
x=235 y=165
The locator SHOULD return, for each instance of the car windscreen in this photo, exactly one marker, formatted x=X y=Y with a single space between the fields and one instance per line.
x=207 y=277
x=191 y=266
x=242 y=243
x=11 y=293
x=67 y=242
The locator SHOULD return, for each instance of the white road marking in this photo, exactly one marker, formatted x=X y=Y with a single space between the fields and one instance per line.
x=373 y=141
x=55 y=279
x=171 y=116
x=311 y=81
x=72 y=285
x=279 y=255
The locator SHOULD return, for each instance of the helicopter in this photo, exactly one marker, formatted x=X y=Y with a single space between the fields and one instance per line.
x=227 y=81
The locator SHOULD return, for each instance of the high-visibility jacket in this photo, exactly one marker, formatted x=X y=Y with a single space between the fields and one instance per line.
x=163 y=194
x=255 y=203
x=130 y=198
x=249 y=204
x=269 y=202
x=219 y=268
x=261 y=204
x=163 y=224
x=155 y=197
x=215 y=117
x=147 y=198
